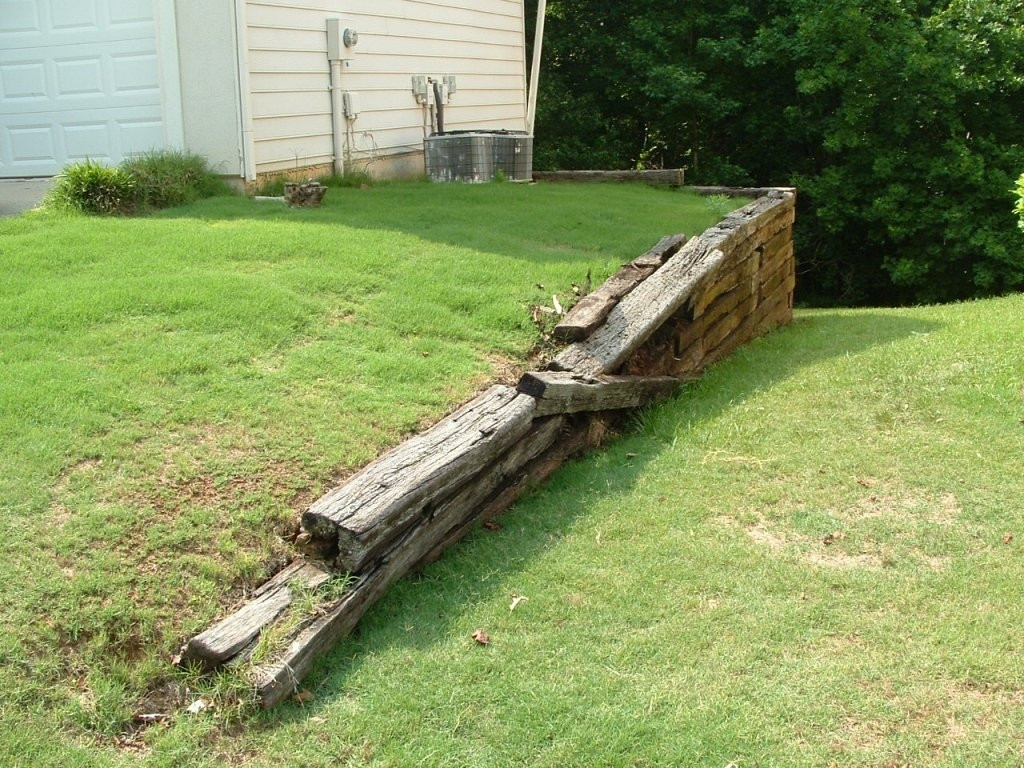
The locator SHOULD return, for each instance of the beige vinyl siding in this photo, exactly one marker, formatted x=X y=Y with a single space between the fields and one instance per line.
x=481 y=43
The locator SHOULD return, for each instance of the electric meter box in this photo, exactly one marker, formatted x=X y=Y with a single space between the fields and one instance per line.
x=341 y=40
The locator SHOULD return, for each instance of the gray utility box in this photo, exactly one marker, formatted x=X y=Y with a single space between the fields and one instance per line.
x=478 y=156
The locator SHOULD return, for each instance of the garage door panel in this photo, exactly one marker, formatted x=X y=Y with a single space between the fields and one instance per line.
x=28 y=150
x=82 y=77
x=78 y=79
x=129 y=12
x=139 y=135
x=135 y=73
x=30 y=145
x=78 y=76
x=74 y=14
x=28 y=24
x=23 y=83
x=86 y=141
x=20 y=16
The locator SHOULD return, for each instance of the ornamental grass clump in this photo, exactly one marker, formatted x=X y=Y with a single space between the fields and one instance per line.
x=92 y=188
x=147 y=182
x=168 y=178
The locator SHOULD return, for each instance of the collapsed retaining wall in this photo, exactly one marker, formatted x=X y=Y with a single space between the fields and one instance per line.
x=660 y=320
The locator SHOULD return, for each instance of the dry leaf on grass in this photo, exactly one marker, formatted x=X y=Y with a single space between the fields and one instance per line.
x=516 y=600
x=482 y=637
x=196 y=707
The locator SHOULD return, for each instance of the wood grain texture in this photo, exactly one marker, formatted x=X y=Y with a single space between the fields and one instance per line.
x=590 y=311
x=672 y=177
x=392 y=493
x=229 y=636
x=640 y=313
x=277 y=680
x=566 y=392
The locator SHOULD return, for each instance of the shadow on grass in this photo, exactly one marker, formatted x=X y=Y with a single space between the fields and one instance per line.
x=493 y=218
x=437 y=600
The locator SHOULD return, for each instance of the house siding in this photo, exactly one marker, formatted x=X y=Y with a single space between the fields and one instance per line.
x=208 y=81
x=481 y=44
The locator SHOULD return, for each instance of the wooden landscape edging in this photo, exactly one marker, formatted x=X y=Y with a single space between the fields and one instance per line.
x=659 y=321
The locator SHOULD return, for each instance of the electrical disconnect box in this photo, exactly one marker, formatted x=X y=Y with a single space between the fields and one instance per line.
x=423 y=88
x=419 y=89
x=350 y=104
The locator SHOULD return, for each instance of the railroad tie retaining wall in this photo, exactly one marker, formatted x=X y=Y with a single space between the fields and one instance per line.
x=660 y=320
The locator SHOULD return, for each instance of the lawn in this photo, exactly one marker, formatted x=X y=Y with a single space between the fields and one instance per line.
x=809 y=557
x=176 y=388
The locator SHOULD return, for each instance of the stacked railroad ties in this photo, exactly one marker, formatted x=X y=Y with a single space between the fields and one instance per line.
x=661 y=319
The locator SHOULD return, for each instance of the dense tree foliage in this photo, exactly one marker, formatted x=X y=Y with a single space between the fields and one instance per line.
x=901 y=122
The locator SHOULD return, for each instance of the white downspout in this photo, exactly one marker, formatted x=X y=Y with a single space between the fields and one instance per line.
x=538 y=44
x=247 y=147
x=337 y=113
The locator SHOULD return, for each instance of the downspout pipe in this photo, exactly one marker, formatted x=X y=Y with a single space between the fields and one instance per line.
x=538 y=45
x=337 y=118
x=247 y=148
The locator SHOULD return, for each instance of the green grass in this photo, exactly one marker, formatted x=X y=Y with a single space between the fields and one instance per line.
x=683 y=606
x=175 y=389
x=811 y=556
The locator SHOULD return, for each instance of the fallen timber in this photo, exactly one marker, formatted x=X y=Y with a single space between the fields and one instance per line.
x=590 y=311
x=391 y=493
x=659 y=321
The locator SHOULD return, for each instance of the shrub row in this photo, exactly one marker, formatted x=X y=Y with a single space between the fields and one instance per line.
x=143 y=183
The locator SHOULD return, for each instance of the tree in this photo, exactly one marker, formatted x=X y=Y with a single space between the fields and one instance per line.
x=897 y=120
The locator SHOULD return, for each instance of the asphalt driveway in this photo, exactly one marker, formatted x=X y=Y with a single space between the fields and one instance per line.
x=18 y=195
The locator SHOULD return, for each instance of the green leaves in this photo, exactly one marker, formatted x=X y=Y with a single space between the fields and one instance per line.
x=898 y=120
x=1018 y=207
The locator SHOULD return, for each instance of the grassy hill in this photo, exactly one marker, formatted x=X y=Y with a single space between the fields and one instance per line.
x=811 y=556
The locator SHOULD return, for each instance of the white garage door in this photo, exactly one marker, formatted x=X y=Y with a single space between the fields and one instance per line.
x=78 y=79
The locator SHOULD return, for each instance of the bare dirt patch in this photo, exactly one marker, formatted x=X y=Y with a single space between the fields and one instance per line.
x=890 y=502
x=947 y=717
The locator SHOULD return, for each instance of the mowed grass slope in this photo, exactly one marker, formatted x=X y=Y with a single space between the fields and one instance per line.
x=810 y=557
x=175 y=389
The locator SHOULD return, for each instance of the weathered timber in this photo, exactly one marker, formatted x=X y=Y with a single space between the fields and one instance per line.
x=672 y=177
x=737 y=191
x=741 y=276
x=590 y=311
x=588 y=431
x=744 y=222
x=230 y=635
x=279 y=678
x=777 y=243
x=774 y=276
x=566 y=392
x=641 y=312
x=654 y=256
x=479 y=498
x=733 y=283
x=381 y=501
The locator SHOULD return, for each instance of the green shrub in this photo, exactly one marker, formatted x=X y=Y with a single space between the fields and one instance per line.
x=169 y=178
x=146 y=182
x=93 y=188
